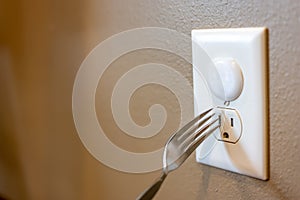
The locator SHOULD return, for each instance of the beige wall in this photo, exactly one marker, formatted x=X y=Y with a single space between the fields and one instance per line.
x=42 y=45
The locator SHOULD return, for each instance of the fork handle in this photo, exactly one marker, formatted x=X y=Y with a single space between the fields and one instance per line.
x=151 y=191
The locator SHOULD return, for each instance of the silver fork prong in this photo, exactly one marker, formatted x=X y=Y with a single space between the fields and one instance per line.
x=191 y=145
x=191 y=123
x=200 y=131
x=195 y=123
x=189 y=135
x=201 y=135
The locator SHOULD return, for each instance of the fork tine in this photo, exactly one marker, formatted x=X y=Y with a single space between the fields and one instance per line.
x=200 y=137
x=188 y=125
x=199 y=120
x=193 y=143
x=194 y=133
x=201 y=130
x=197 y=125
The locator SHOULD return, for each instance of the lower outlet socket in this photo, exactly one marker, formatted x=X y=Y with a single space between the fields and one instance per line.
x=231 y=126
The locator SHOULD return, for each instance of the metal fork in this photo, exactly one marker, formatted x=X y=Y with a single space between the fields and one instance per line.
x=181 y=144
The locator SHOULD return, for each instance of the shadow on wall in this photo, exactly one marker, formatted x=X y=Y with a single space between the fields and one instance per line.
x=2 y=198
x=36 y=86
x=12 y=181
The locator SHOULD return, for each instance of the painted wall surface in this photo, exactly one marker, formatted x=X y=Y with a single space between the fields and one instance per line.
x=42 y=44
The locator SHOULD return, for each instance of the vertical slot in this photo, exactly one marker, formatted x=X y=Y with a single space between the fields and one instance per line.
x=231 y=122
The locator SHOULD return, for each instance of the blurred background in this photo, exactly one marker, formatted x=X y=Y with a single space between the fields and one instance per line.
x=42 y=44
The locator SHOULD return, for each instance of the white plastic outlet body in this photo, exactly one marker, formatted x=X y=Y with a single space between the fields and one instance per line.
x=246 y=150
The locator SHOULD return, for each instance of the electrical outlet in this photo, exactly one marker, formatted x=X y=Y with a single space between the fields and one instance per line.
x=237 y=85
x=231 y=125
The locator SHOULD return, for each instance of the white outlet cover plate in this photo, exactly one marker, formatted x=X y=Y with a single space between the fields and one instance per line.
x=248 y=46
